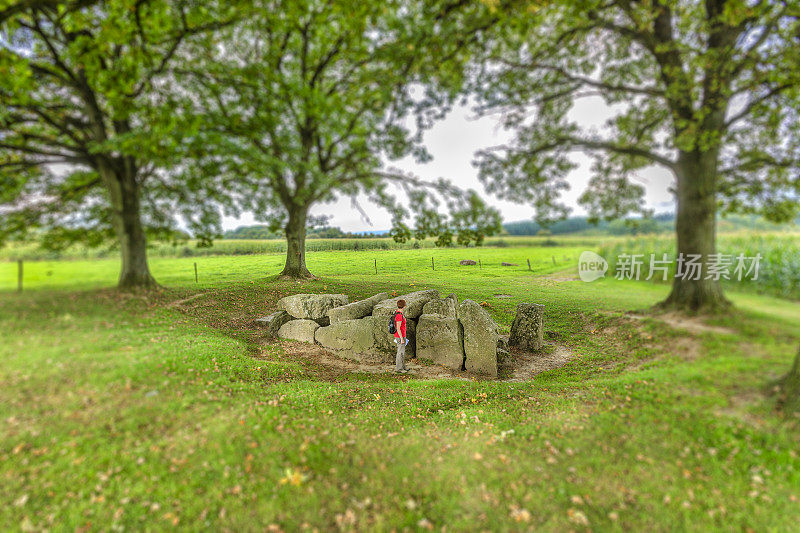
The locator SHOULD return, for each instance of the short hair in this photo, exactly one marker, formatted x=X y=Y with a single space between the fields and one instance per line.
x=401 y=304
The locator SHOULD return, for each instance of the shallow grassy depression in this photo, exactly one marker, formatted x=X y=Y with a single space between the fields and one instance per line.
x=132 y=412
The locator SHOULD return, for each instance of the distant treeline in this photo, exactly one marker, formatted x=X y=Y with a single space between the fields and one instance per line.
x=656 y=224
x=327 y=232
x=661 y=223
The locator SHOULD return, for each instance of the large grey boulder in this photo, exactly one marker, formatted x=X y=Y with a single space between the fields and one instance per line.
x=445 y=307
x=354 y=310
x=365 y=336
x=414 y=303
x=311 y=306
x=480 y=338
x=299 y=330
x=439 y=339
x=273 y=322
x=354 y=336
x=527 y=329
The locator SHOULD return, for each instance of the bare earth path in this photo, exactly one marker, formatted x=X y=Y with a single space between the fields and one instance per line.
x=523 y=366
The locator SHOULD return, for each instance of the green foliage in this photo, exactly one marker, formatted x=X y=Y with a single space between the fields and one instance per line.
x=87 y=133
x=685 y=80
x=307 y=102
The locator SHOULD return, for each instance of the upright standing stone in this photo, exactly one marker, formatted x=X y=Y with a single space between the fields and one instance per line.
x=527 y=331
x=439 y=339
x=480 y=338
x=445 y=307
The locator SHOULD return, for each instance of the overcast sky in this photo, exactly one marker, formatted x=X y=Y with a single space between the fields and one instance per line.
x=453 y=143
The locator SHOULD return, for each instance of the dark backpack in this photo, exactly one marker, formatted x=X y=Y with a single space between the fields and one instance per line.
x=392 y=323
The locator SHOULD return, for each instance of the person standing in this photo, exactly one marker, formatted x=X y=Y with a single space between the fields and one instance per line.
x=400 y=337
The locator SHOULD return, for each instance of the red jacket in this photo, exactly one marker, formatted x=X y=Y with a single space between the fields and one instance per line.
x=400 y=317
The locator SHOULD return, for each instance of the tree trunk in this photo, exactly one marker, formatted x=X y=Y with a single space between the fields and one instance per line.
x=295 y=228
x=135 y=272
x=789 y=385
x=696 y=233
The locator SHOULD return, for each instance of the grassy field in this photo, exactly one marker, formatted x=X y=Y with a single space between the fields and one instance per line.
x=130 y=412
x=213 y=270
x=779 y=271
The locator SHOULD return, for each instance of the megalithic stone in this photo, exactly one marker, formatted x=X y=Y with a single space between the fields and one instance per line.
x=527 y=331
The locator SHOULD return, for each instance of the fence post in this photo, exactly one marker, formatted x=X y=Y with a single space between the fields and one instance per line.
x=19 y=275
x=433 y=266
x=479 y=264
x=529 y=264
x=195 y=272
x=376 y=266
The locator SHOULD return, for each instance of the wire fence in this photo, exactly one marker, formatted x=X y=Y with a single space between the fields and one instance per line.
x=205 y=271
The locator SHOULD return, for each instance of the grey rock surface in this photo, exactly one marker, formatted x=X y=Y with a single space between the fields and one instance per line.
x=480 y=338
x=527 y=331
x=299 y=330
x=439 y=339
x=273 y=322
x=444 y=307
x=355 y=335
x=384 y=341
x=358 y=309
x=311 y=306
x=368 y=335
x=415 y=301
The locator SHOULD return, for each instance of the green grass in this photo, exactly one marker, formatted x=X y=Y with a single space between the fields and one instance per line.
x=123 y=412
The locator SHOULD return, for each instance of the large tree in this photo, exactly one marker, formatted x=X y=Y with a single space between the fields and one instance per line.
x=85 y=133
x=307 y=100
x=709 y=90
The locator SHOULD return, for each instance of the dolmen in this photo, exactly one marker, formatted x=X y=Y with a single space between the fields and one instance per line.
x=453 y=334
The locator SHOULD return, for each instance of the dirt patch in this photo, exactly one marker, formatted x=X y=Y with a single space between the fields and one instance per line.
x=521 y=366
x=338 y=365
x=526 y=365
x=183 y=302
x=692 y=324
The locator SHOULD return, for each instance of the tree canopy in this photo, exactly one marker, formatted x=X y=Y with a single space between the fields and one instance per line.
x=86 y=134
x=306 y=101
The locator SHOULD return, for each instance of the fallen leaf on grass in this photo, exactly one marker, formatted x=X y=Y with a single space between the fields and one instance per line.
x=520 y=515
x=293 y=477
x=577 y=517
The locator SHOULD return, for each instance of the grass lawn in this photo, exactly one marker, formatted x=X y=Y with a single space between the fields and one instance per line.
x=126 y=412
